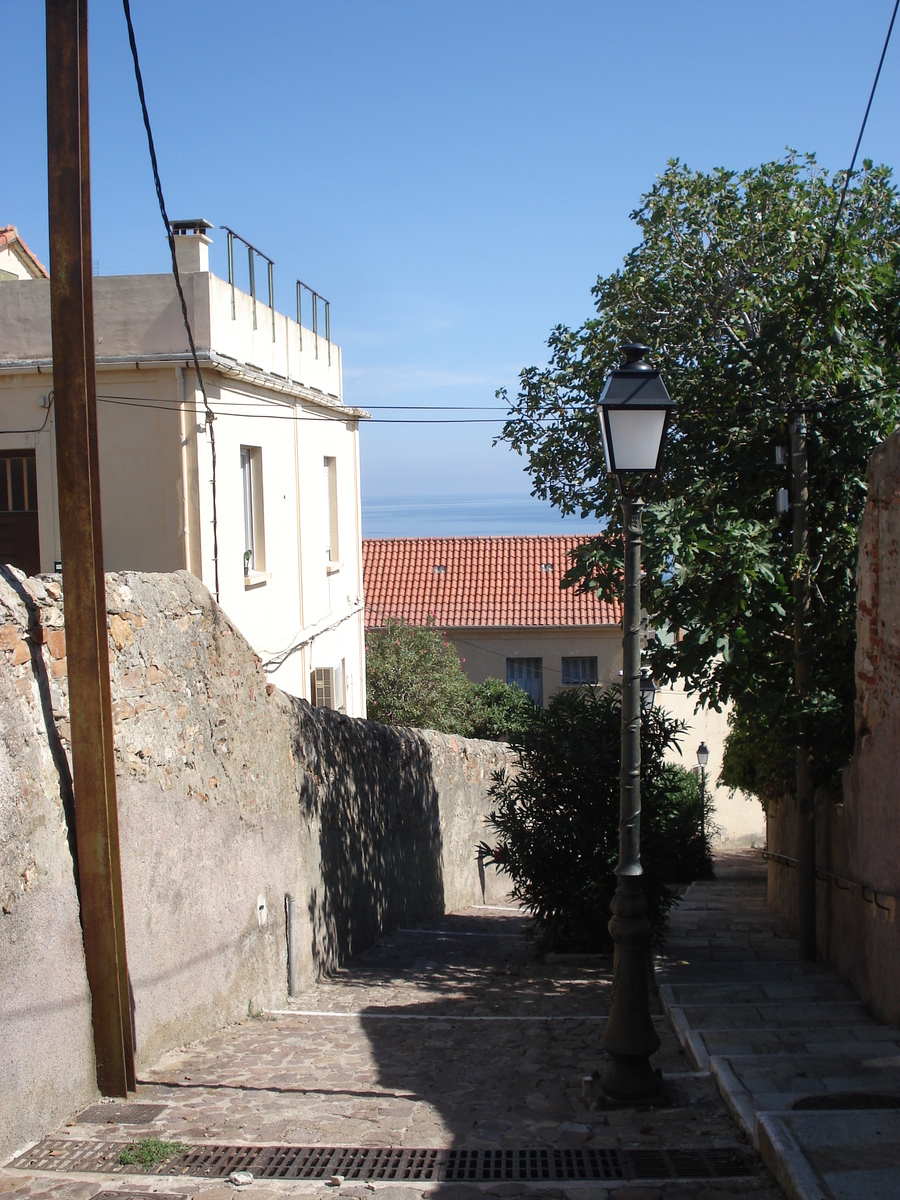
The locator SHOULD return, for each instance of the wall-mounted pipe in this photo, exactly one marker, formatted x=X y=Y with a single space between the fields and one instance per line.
x=290 y=908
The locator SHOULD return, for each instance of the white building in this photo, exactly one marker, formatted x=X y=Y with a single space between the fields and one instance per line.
x=262 y=502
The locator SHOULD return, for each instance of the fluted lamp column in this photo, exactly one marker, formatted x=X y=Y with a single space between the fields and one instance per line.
x=634 y=410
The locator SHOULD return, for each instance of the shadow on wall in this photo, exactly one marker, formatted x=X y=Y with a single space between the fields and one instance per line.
x=379 y=824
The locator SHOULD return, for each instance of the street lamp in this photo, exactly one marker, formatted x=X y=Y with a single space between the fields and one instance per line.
x=634 y=410
x=648 y=690
x=703 y=759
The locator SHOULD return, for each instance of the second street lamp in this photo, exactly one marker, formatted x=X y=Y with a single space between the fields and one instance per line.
x=703 y=759
x=634 y=415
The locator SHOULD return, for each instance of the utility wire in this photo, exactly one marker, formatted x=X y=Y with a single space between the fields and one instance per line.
x=161 y=406
x=210 y=415
x=40 y=428
x=862 y=129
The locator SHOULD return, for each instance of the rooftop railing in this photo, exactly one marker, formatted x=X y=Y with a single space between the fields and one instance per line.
x=252 y=254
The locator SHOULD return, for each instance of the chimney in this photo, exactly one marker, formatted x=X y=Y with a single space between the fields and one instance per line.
x=191 y=245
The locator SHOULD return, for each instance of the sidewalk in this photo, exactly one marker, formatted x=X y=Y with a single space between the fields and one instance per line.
x=809 y=1075
x=452 y=1039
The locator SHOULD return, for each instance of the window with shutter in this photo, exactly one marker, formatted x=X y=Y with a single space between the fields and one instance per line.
x=579 y=670
x=322 y=688
x=528 y=674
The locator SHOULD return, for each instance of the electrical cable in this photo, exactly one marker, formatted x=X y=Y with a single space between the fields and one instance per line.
x=862 y=129
x=161 y=406
x=210 y=415
x=40 y=428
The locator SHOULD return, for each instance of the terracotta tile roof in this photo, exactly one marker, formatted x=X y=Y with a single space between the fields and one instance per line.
x=10 y=235
x=470 y=582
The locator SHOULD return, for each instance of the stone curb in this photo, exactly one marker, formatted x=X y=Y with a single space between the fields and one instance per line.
x=782 y=1155
x=736 y=1096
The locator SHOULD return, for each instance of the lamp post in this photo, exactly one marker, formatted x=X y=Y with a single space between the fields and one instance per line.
x=703 y=759
x=634 y=410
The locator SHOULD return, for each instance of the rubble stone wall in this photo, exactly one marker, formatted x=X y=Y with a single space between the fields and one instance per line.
x=231 y=796
x=859 y=840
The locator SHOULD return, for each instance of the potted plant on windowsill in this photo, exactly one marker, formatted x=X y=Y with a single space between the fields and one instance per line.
x=248 y=554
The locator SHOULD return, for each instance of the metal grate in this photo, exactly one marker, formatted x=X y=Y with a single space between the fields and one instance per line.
x=217 y=1161
x=133 y=1195
x=481 y=1165
x=120 y=1114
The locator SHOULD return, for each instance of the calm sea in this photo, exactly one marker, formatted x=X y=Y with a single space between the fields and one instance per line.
x=466 y=516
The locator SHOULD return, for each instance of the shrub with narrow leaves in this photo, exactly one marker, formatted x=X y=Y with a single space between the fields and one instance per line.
x=556 y=818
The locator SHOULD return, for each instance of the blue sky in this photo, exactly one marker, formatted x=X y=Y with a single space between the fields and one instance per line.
x=451 y=174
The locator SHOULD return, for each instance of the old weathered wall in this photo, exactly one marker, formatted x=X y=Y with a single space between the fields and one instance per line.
x=859 y=840
x=231 y=795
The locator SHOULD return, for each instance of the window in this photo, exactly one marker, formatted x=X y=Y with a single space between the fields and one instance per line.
x=579 y=670
x=254 y=524
x=327 y=687
x=19 y=535
x=332 y=549
x=322 y=687
x=528 y=674
x=18 y=482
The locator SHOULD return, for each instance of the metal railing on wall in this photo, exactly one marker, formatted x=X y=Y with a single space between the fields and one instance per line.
x=844 y=884
x=252 y=254
x=315 y=297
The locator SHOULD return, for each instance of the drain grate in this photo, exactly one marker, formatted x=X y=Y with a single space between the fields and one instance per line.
x=126 y=1195
x=858 y=1101
x=120 y=1114
x=217 y=1161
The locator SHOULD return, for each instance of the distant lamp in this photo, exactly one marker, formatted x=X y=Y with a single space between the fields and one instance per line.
x=703 y=759
x=634 y=414
x=648 y=689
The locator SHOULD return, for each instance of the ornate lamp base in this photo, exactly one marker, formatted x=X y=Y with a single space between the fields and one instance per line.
x=629 y=1038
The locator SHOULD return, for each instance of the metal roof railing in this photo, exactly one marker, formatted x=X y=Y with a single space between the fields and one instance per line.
x=301 y=287
x=251 y=251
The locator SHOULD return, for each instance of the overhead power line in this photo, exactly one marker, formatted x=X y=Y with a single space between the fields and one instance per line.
x=210 y=415
x=862 y=129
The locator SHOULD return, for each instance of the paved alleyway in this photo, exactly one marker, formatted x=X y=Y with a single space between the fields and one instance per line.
x=453 y=1037
x=811 y=1077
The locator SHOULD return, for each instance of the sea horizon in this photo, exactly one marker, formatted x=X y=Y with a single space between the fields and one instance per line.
x=471 y=515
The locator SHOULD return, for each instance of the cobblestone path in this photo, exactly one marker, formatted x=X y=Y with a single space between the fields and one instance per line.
x=450 y=1036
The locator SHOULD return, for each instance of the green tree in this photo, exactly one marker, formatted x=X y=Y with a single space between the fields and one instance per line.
x=499 y=711
x=556 y=817
x=414 y=677
x=758 y=299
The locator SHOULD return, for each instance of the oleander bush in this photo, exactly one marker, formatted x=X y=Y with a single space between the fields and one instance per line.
x=556 y=818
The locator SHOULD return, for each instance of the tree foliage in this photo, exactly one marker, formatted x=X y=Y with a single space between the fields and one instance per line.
x=757 y=301
x=414 y=677
x=556 y=817
x=499 y=711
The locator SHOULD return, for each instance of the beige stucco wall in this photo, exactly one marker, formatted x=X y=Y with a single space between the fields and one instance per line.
x=231 y=795
x=485 y=651
x=156 y=462
x=740 y=818
x=16 y=263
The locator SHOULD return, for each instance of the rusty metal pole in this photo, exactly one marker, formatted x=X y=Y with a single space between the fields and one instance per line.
x=93 y=450
x=71 y=314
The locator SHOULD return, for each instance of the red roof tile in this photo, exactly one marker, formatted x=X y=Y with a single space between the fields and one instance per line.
x=10 y=235
x=485 y=581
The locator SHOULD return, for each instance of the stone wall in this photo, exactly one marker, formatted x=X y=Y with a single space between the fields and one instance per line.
x=231 y=795
x=859 y=840
x=858 y=832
